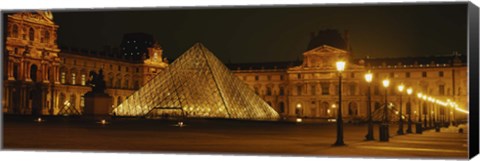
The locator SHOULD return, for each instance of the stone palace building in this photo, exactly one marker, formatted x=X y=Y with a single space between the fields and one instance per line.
x=41 y=78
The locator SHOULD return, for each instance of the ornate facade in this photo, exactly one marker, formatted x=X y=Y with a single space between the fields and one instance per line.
x=309 y=89
x=39 y=78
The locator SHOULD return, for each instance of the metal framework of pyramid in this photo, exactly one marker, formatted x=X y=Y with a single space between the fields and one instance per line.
x=198 y=85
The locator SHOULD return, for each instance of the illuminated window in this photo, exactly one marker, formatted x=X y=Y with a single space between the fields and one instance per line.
x=74 y=76
x=82 y=102
x=62 y=78
x=83 y=79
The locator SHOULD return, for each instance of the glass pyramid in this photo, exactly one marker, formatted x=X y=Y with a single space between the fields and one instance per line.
x=197 y=84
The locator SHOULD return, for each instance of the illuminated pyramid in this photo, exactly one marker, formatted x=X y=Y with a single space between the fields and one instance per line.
x=197 y=84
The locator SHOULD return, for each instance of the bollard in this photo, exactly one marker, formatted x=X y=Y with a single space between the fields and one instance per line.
x=418 y=128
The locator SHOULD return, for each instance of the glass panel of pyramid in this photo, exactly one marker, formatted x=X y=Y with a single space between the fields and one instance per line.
x=197 y=84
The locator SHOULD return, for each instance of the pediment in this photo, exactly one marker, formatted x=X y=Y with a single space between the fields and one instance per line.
x=43 y=17
x=326 y=50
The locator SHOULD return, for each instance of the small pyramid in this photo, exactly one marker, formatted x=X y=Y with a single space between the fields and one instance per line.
x=200 y=86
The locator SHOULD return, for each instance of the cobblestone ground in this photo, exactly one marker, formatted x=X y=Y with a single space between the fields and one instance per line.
x=232 y=137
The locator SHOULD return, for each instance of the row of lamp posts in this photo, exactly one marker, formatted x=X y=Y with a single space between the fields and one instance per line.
x=384 y=126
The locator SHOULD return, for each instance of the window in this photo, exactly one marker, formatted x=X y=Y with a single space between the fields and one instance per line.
x=440 y=73
x=312 y=90
x=269 y=77
x=424 y=74
x=47 y=36
x=83 y=79
x=299 y=90
x=441 y=90
x=126 y=69
x=74 y=62
x=126 y=83
x=111 y=66
x=256 y=90
x=74 y=76
x=352 y=89
x=407 y=75
x=82 y=101
x=119 y=68
x=15 y=31
x=31 y=34
x=137 y=70
x=282 y=107
x=392 y=75
x=269 y=91
x=62 y=77
x=119 y=82
x=352 y=75
x=299 y=76
x=282 y=92
x=281 y=77
x=325 y=89
x=256 y=77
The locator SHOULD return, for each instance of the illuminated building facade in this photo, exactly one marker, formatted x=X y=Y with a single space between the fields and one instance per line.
x=41 y=78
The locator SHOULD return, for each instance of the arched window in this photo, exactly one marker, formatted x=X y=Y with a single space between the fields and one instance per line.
x=15 y=71
x=15 y=31
x=33 y=73
x=118 y=83
x=269 y=91
x=63 y=75
x=31 y=34
x=282 y=91
x=127 y=85
x=352 y=109
x=84 y=79
x=325 y=107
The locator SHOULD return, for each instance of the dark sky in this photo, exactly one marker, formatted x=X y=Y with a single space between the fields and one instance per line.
x=275 y=33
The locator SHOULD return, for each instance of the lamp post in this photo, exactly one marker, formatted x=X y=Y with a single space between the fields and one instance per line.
x=418 y=124
x=425 y=111
x=400 y=119
x=409 y=111
x=340 y=68
x=384 y=136
x=368 y=78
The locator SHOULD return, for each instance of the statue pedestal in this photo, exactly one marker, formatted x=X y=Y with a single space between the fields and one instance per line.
x=97 y=104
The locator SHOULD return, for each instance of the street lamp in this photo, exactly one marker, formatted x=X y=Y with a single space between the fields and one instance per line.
x=400 y=119
x=340 y=68
x=425 y=111
x=409 y=111
x=368 y=78
x=384 y=126
x=418 y=124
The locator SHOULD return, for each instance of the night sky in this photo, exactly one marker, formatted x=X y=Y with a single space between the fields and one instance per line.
x=269 y=34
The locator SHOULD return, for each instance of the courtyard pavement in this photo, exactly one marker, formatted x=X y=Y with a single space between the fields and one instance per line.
x=226 y=137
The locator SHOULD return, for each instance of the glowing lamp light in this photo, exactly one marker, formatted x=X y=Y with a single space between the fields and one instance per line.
x=386 y=83
x=103 y=122
x=39 y=119
x=401 y=87
x=298 y=120
x=368 y=77
x=419 y=95
x=299 y=105
x=409 y=91
x=340 y=66
x=334 y=106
